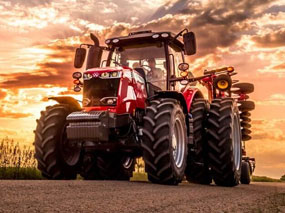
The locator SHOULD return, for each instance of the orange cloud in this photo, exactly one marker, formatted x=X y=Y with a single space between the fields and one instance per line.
x=14 y=115
x=272 y=39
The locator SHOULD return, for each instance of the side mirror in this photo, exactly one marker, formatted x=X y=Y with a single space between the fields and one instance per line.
x=94 y=57
x=79 y=57
x=189 y=43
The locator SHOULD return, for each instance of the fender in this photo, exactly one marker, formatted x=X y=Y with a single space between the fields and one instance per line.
x=189 y=94
x=172 y=94
x=68 y=101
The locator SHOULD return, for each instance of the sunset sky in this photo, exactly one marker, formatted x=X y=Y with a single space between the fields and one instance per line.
x=38 y=38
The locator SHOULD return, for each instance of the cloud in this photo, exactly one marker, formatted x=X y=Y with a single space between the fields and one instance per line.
x=270 y=40
x=279 y=67
x=273 y=130
x=54 y=69
x=14 y=115
x=2 y=94
x=30 y=3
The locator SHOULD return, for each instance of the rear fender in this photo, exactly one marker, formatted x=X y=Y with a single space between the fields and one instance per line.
x=189 y=95
x=68 y=101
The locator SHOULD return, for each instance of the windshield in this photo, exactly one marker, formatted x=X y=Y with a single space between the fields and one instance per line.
x=150 y=57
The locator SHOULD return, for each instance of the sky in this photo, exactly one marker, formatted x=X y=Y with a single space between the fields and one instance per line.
x=38 y=39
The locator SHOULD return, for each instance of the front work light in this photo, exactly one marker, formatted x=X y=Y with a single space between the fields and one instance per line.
x=164 y=35
x=155 y=36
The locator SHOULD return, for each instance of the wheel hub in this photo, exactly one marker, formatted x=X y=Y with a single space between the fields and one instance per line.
x=236 y=142
x=178 y=143
x=127 y=162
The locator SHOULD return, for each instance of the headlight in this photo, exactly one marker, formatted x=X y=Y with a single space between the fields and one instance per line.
x=87 y=76
x=110 y=75
x=105 y=75
x=114 y=74
x=109 y=101
x=116 y=40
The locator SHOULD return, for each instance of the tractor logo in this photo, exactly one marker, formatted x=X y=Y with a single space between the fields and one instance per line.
x=96 y=75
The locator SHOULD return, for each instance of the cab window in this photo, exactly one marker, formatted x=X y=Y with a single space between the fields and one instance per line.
x=175 y=57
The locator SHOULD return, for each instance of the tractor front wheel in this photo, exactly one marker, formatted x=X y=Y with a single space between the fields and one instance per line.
x=164 y=141
x=57 y=158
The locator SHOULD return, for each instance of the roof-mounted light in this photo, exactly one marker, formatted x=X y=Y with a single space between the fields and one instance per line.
x=164 y=35
x=155 y=36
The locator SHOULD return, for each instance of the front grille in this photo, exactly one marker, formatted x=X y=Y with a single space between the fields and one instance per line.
x=97 y=88
x=87 y=130
x=76 y=116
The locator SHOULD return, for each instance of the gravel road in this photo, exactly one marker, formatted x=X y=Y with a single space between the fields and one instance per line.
x=112 y=196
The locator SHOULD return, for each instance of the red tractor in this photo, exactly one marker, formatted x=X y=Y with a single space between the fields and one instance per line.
x=140 y=100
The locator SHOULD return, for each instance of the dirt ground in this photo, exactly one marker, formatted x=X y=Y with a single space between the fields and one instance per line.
x=112 y=196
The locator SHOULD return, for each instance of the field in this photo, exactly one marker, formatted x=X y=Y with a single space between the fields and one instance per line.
x=18 y=162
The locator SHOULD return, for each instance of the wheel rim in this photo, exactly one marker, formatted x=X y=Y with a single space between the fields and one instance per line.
x=127 y=162
x=69 y=153
x=236 y=142
x=178 y=143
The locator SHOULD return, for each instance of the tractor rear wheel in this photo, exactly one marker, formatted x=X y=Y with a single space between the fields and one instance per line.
x=224 y=142
x=197 y=169
x=115 y=167
x=57 y=158
x=164 y=141
x=245 y=173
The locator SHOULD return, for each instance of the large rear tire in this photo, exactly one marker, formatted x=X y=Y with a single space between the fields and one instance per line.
x=57 y=159
x=197 y=169
x=164 y=141
x=224 y=142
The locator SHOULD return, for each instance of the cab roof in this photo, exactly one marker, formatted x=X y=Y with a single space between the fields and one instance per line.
x=141 y=37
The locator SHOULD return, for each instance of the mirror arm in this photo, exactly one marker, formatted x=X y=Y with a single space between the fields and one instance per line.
x=180 y=33
x=88 y=45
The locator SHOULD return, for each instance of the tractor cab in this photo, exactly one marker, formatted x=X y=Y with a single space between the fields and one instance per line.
x=155 y=56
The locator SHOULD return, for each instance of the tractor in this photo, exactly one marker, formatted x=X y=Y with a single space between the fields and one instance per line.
x=141 y=100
